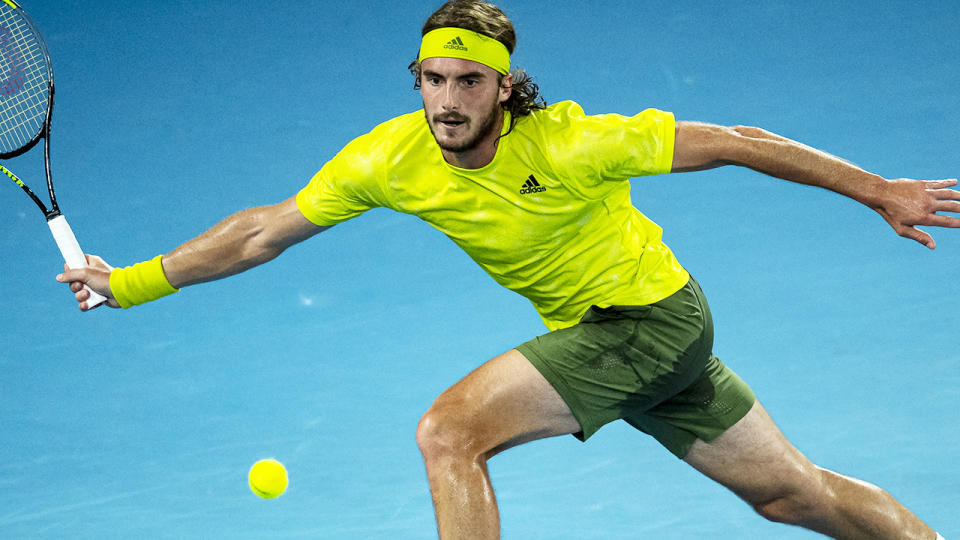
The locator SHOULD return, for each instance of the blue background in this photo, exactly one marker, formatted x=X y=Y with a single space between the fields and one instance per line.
x=172 y=115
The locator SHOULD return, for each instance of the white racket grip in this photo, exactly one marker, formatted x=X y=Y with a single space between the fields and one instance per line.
x=72 y=253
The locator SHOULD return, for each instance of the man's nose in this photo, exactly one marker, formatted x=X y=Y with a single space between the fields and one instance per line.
x=450 y=101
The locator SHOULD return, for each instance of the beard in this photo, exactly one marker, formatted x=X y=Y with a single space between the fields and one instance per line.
x=484 y=128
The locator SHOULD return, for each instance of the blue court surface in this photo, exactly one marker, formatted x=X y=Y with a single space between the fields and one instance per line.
x=172 y=115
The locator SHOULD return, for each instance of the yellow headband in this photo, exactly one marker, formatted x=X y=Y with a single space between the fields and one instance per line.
x=465 y=44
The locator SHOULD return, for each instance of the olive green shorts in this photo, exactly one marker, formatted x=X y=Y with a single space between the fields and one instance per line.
x=649 y=365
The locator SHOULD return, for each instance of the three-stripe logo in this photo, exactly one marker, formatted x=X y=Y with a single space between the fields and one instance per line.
x=456 y=44
x=531 y=186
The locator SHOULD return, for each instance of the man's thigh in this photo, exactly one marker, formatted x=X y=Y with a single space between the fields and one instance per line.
x=753 y=458
x=503 y=403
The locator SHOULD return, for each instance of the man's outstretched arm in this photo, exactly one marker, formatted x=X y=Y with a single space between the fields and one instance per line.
x=239 y=242
x=902 y=202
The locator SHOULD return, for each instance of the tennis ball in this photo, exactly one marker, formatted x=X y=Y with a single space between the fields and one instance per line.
x=268 y=478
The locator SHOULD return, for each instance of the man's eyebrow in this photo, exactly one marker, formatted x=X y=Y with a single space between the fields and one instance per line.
x=471 y=75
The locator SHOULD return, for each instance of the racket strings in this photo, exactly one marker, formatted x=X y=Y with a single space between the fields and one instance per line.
x=24 y=83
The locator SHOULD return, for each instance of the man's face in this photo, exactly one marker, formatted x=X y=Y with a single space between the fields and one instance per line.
x=461 y=100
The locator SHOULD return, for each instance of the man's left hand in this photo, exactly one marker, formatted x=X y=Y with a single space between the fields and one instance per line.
x=906 y=203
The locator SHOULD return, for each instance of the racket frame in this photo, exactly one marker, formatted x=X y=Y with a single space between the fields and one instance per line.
x=43 y=133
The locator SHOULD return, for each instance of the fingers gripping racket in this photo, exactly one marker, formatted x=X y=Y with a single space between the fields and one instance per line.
x=26 y=107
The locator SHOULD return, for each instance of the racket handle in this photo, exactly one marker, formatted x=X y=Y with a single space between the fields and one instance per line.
x=72 y=253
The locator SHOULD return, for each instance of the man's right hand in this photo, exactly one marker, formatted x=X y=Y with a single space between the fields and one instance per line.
x=96 y=276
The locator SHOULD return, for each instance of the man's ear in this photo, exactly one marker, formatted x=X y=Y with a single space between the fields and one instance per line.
x=506 y=88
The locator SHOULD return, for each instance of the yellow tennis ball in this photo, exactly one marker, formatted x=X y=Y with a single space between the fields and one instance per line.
x=268 y=478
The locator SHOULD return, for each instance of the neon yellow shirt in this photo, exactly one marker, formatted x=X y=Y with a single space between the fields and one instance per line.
x=550 y=217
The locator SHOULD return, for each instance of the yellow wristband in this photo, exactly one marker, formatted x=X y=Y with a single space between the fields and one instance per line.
x=140 y=283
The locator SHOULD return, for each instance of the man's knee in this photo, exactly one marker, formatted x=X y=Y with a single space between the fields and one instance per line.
x=803 y=500
x=443 y=432
x=787 y=508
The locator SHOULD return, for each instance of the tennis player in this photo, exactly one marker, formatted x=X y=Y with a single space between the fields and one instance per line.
x=539 y=197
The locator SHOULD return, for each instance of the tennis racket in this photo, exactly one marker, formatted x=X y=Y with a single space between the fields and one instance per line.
x=26 y=107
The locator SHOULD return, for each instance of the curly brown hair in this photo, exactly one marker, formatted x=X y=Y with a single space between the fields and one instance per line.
x=487 y=19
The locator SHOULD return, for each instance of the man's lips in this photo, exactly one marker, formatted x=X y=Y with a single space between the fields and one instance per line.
x=451 y=122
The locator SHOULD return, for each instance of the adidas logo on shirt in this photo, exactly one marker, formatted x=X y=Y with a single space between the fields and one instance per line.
x=531 y=186
x=456 y=44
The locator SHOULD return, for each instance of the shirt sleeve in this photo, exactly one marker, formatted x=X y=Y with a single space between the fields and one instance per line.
x=597 y=149
x=348 y=185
